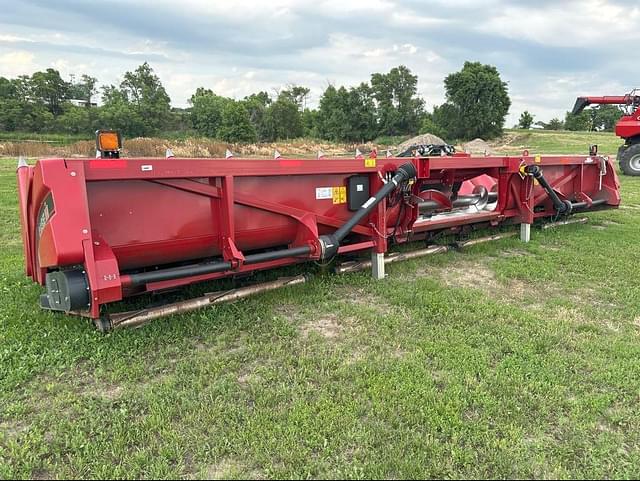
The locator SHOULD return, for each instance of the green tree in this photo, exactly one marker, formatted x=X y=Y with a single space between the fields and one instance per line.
x=7 y=89
x=430 y=126
x=310 y=123
x=296 y=94
x=256 y=105
x=554 y=124
x=49 y=88
x=144 y=91
x=119 y=114
x=445 y=121
x=478 y=102
x=526 y=120
x=282 y=120
x=206 y=111
x=606 y=117
x=19 y=110
x=579 y=122
x=75 y=120
x=362 y=123
x=399 y=109
x=84 y=89
x=347 y=115
x=333 y=115
x=235 y=125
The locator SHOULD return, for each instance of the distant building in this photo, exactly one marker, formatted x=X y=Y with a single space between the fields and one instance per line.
x=82 y=103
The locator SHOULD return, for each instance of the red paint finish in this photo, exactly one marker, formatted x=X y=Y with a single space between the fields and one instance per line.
x=118 y=216
x=628 y=126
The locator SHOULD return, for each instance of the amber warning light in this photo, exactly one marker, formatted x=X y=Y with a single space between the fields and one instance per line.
x=108 y=144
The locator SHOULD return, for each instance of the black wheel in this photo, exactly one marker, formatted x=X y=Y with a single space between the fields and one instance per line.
x=629 y=159
x=103 y=324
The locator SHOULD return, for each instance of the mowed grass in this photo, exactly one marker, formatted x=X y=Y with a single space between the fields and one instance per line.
x=557 y=142
x=505 y=360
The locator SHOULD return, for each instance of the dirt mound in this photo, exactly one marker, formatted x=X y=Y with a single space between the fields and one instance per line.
x=423 y=139
x=477 y=147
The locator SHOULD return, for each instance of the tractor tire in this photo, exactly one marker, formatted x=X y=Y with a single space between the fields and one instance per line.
x=629 y=159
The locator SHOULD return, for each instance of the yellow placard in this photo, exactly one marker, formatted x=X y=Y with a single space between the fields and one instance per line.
x=370 y=162
x=339 y=195
x=537 y=159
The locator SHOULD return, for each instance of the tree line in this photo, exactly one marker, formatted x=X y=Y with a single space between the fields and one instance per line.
x=599 y=118
x=476 y=105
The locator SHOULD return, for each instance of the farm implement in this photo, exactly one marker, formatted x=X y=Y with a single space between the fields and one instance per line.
x=96 y=231
x=627 y=128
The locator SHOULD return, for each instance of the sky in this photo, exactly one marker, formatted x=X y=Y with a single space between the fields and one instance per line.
x=548 y=52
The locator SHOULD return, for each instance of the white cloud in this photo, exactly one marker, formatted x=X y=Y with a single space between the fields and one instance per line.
x=14 y=39
x=567 y=24
x=17 y=63
x=548 y=52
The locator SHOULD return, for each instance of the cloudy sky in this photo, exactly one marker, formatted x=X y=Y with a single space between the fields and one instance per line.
x=549 y=52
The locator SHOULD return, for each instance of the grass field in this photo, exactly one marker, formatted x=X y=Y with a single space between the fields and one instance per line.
x=505 y=360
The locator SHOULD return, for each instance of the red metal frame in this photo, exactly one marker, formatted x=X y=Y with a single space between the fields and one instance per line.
x=628 y=126
x=254 y=204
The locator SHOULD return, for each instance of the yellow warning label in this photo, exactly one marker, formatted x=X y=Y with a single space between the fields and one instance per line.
x=537 y=159
x=370 y=162
x=339 y=195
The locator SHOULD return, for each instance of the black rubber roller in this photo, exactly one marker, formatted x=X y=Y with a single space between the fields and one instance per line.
x=66 y=291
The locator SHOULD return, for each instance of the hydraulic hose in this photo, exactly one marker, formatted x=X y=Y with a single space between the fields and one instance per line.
x=561 y=206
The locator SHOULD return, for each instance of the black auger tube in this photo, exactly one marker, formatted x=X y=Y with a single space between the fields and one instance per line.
x=213 y=267
x=331 y=243
x=562 y=206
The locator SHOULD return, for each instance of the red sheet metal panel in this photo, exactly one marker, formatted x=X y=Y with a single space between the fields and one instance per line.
x=112 y=217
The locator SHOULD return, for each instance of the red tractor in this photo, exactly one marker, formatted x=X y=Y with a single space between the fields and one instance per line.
x=628 y=127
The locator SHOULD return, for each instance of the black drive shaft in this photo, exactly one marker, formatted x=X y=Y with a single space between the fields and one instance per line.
x=562 y=206
x=330 y=243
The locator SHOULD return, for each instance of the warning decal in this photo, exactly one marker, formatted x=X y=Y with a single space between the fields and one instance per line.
x=339 y=195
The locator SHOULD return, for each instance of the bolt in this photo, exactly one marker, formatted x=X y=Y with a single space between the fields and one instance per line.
x=73 y=173
x=96 y=243
x=85 y=231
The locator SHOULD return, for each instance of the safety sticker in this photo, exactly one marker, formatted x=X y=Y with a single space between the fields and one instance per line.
x=340 y=195
x=371 y=162
x=324 y=193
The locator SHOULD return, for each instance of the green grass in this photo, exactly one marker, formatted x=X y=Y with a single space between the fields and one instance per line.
x=59 y=139
x=558 y=142
x=506 y=360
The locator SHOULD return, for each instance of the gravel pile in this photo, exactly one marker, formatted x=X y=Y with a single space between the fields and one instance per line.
x=477 y=147
x=423 y=139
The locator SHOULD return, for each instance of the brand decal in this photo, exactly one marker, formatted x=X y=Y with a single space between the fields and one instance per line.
x=46 y=211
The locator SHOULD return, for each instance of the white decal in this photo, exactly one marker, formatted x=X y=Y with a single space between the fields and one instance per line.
x=146 y=168
x=368 y=203
x=324 y=193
